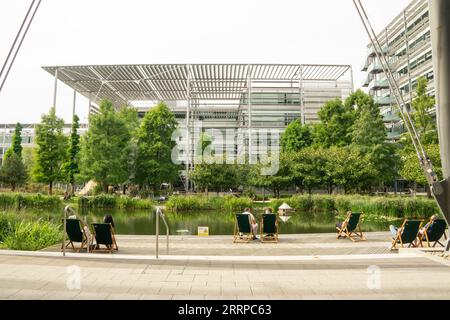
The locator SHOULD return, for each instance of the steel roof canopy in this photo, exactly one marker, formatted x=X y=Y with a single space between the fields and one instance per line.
x=122 y=84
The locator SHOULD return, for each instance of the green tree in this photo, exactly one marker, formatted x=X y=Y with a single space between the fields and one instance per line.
x=16 y=147
x=215 y=175
x=106 y=148
x=411 y=169
x=309 y=169
x=29 y=160
x=296 y=137
x=283 y=178
x=13 y=173
x=337 y=120
x=204 y=142
x=350 y=169
x=52 y=150
x=368 y=135
x=423 y=120
x=71 y=166
x=154 y=164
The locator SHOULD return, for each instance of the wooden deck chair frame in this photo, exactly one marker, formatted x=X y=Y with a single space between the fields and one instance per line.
x=84 y=243
x=398 y=238
x=425 y=238
x=112 y=248
x=354 y=235
x=264 y=237
x=241 y=237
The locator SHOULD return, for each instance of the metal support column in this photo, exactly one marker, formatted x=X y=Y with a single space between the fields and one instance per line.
x=302 y=97
x=188 y=127
x=408 y=57
x=440 y=36
x=352 y=81
x=4 y=143
x=250 y=124
x=74 y=103
x=55 y=90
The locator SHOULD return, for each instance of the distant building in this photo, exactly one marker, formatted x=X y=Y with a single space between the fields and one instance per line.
x=406 y=42
x=235 y=101
x=28 y=134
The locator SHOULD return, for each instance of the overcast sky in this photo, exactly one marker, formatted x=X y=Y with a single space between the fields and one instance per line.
x=78 y=32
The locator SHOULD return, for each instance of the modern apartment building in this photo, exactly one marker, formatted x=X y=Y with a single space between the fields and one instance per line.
x=28 y=134
x=406 y=42
x=231 y=102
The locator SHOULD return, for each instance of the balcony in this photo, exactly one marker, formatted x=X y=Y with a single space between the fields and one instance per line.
x=383 y=101
x=371 y=51
x=379 y=84
x=394 y=135
x=375 y=67
x=391 y=117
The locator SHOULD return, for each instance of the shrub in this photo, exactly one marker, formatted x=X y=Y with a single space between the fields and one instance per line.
x=388 y=207
x=38 y=201
x=7 y=224
x=33 y=236
x=114 y=202
x=202 y=203
x=233 y=204
x=302 y=202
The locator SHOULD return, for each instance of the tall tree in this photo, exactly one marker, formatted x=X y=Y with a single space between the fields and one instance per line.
x=154 y=164
x=337 y=120
x=71 y=166
x=422 y=106
x=296 y=137
x=106 y=148
x=13 y=172
x=16 y=147
x=214 y=175
x=368 y=135
x=52 y=150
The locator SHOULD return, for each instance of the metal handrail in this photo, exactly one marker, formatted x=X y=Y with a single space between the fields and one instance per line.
x=160 y=214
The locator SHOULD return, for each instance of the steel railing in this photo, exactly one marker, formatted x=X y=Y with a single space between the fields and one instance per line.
x=160 y=214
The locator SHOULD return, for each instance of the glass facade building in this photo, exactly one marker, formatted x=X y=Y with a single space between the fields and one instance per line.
x=406 y=43
x=244 y=108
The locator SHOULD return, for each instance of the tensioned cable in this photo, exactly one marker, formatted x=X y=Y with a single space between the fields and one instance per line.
x=16 y=39
x=393 y=84
x=20 y=43
x=423 y=158
x=398 y=93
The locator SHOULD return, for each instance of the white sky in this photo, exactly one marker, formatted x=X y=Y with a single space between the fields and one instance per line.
x=78 y=32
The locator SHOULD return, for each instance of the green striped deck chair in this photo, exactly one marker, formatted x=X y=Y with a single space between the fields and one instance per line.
x=242 y=229
x=76 y=234
x=434 y=233
x=350 y=228
x=104 y=235
x=269 y=228
x=407 y=234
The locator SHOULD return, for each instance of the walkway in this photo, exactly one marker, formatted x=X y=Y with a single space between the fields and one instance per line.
x=289 y=245
x=299 y=267
x=399 y=278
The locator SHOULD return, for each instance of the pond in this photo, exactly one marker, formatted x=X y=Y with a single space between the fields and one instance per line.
x=140 y=222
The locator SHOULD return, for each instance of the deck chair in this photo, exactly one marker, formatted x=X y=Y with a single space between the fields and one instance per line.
x=434 y=233
x=104 y=235
x=350 y=228
x=242 y=229
x=76 y=234
x=407 y=234
x=269 y=228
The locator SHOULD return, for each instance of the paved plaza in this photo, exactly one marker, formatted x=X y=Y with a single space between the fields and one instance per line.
x=354 y=271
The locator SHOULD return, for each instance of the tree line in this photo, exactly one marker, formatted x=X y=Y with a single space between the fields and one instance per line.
x=346 y=151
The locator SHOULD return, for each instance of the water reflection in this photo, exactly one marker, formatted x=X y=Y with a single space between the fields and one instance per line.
x=143 y=222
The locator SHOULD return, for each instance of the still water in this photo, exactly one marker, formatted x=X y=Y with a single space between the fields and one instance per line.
x=143 y=222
